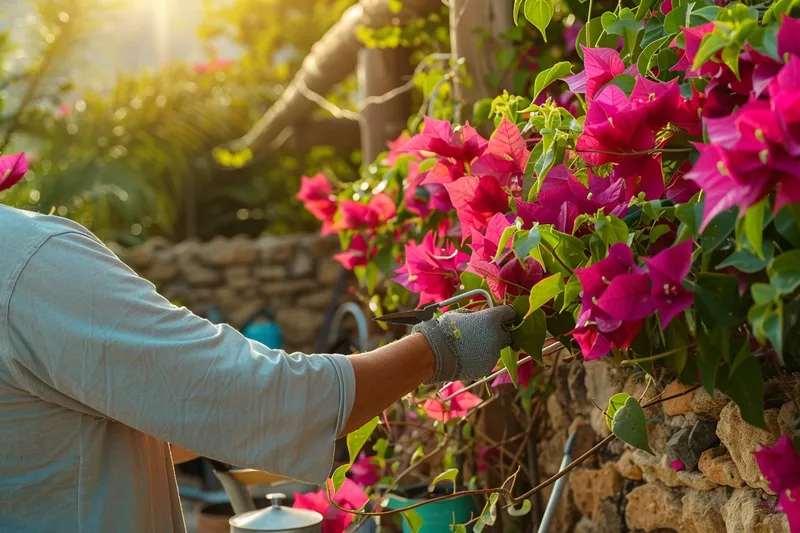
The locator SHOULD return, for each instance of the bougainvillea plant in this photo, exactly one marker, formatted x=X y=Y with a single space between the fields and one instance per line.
x=641 y=204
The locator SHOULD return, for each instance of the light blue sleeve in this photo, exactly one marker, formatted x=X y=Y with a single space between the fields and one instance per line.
x=83 y=323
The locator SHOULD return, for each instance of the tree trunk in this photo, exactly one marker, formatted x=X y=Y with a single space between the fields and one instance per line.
x=330 y=60
x=470 y=20
x=380 y=71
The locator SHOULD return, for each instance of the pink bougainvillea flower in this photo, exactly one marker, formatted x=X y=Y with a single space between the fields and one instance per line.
x=680 y=190
x=667 y=270
x=485 y=455
x=614 y=127
x=430 y=270
x=505 y=157
x=677 y=465
x=784 y=91
x=666 y=6
x=509 y=279
x=357 y=254
x=355 y=215
x=563 y=197
x=213 y=65
x=748 y=158
x=525 y=373
x=601 y=65
x=458 y=407
x=396 y=150
x=316 y=194
x=438 y=137
x=658 y=100
x=476 y=200
x=349 y=496
x=12 y=169
x=416 y=195
x=484 y=245
x=596 y=279
x=780 y=466
x=365 y=471
x=595 y=344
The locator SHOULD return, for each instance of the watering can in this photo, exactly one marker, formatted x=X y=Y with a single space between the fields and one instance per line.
x=262 y=327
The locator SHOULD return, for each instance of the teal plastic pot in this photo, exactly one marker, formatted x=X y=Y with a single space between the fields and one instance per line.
x=437 y=517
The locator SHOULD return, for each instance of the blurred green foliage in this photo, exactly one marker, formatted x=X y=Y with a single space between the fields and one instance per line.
x=136 y=160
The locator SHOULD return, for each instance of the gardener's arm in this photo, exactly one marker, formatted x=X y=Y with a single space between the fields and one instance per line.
x=84 y=326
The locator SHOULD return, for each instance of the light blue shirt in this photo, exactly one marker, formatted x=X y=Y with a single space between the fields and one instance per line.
x=98 y=372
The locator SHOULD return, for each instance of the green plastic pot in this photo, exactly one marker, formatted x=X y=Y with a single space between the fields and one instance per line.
x=436 y=517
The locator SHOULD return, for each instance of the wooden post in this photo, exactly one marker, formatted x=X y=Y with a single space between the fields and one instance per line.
x=379 y=71
x=469 y=20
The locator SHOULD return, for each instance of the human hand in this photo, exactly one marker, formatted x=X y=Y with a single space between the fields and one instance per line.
x=467 y=345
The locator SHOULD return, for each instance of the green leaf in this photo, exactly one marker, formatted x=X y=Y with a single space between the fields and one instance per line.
x=525 y=241
x=677 y=341
x=517 y=5
x=510 y=360
x=544 y=291
x=600 y=39
x=413 y=519
x=773 y=328
x=572 y=291
x=784 y=272
x=717 y=300
x=645 y=58
x=611 y=230
x=787 y=222
x=507 y=234
x=745 y=386
x=355 y=441
x=763 y=294
x=626 y=25
x=711 y=44
x=615 y=403
x=560 y=250
x=754 y=226
x=709 y=355
x=630 y=425
x=643 y=9
x=489 y=514
x=626 y=82
x=528 y=336
x=448 y=475
x=653 y=31
x=676 y=18
x=748 y=262
x=471 y=281
x=742 y=352
x=458 y=529
x=548 y=76
x=539 y=13
x=718 y=230
x=522 y=511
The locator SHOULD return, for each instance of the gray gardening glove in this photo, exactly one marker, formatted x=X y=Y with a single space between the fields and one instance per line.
x=467 y=345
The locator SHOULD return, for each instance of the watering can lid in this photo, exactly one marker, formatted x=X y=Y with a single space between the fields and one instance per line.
x=275 y=518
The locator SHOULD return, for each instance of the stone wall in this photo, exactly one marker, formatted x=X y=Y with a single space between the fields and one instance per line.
x=294 y=276
x=622 y=489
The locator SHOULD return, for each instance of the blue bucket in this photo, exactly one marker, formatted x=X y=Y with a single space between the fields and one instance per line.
x=437 y=517
x=265 y=331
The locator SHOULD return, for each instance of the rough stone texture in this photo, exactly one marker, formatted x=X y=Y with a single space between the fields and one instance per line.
x=607 y=516
x=603 y=380
x=696 y=480
x=787 y=417
x=741 y=439
x=627 y=468
x=656 y=469
x=709 y=407
x=293 y=276
x=591 y=485
x=701 y=511
x=743 y=513
x=718 y=466
x=653 y=506
x=687 y=444
x=680 y=405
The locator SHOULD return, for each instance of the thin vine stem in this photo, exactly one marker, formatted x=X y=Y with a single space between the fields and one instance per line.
x=634 y=362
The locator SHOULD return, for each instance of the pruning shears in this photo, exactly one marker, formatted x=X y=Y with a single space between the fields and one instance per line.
x=416 y=316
